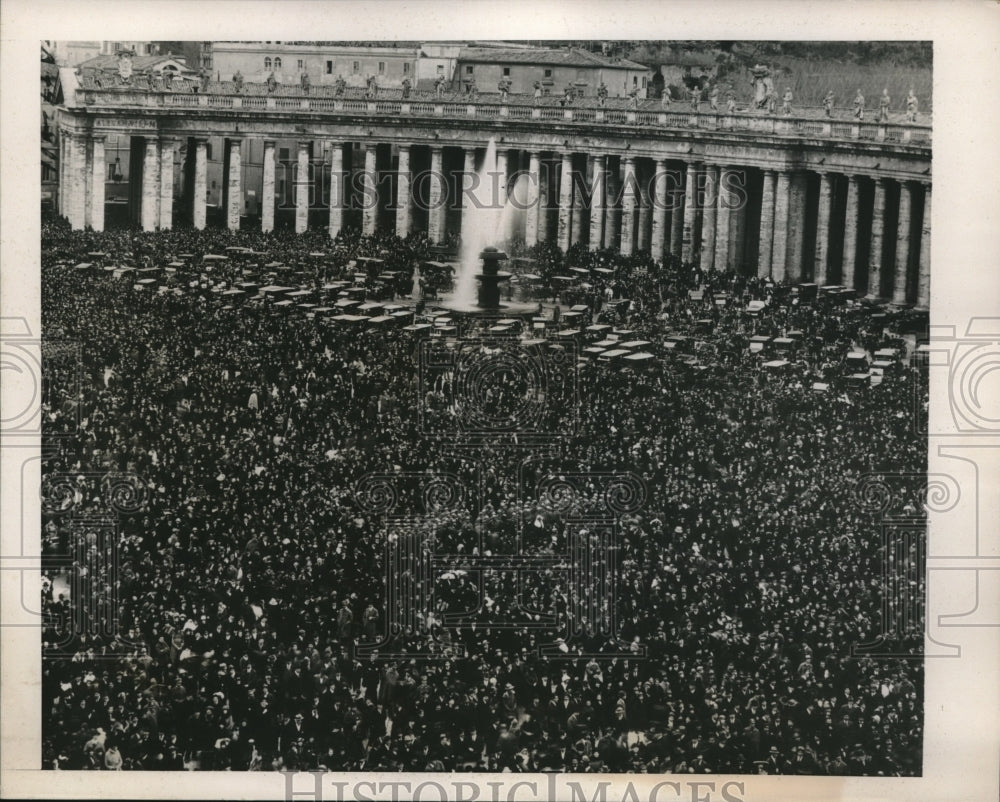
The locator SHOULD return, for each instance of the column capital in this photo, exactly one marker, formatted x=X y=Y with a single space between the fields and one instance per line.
x=303 y=143
x=405 y=147
x=270 y=143
x=98 y=136
x=926 y=184
x=437 y=148
x=201 y=140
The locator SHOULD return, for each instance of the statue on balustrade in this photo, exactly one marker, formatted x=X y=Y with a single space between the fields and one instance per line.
x=713 y=99
x=665 y=99
x=504 y=87
x=731 y=102
x=168 y=79
x=763 y=86
x=911 y=107
x=695 y=93
x=371 y=88
x=602 y=92
x=883 y=106
x=786 y=102
x=406 y=87
x=859 y=106
x=339 y=86
x=568 y=95
x=473 y=89
x=305 y=83
x=272 y=82
x=828 y=104
x=439 y=84
x=772 y=102
x=203 y=79
x=633 y=99
x=238 y=82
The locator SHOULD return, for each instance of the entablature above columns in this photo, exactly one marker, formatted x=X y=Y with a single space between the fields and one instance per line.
x=900 y=161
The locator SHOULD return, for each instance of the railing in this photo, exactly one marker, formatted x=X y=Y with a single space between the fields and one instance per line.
x=895 y=133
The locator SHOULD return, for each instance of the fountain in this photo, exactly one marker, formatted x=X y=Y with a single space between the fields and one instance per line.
x=489 y=214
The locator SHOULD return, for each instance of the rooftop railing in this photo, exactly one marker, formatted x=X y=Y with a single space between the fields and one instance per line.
x=582 y=111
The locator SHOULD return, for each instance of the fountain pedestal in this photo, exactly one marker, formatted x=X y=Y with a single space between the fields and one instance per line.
x=489 y=280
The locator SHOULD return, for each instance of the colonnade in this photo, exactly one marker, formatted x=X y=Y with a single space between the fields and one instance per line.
x=867 y=232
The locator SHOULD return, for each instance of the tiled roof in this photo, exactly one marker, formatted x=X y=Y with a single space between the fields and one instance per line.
x=556 y=57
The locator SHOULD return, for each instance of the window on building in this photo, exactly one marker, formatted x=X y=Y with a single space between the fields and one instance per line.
x=267 y=63
x=381 y=68
x=301 y=65
x=284 y=155
x=468 y=69
x=440 y=69
x=644 y=83
x=635 y=80
x=277 y=63
x=356 y=67
x=329 y=67
x=506 y=72
x=406 y=67
x=208 y=151
x=548 y=73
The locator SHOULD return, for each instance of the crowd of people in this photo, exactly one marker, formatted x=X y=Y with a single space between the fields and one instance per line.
x=249 y=583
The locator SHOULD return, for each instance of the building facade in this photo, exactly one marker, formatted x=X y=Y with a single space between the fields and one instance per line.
x=828 y=201
x=553 y=69
x=324 y=64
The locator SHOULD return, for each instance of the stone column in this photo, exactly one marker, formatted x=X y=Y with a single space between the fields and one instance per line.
x=168 y=151
x=98 y=170
x=531 y=201
x=850 y=233
x=369 y=195
x=60 y=205
x=766 y=224
x=796 y=226
x=645 y=215
x=878 y=234
x=88 y=177
x=690 y=211
x=200 y=192
x=565 y=201
x=267 y=188
x=899 y=283
x=338 y=192
x=709 y=217
x=302 y=187
x=612 y=213
x=628 y=208
x=779 y=243
x=234 y=192
x=76 y=181
x=658 y=233
x=823 y=228
x=577 y=213
x=151 y=185
x=545 y=173
x=677 y=216
x=924 y=275
x=404 y=213
x=436 y=197
x=598 y=200
x=723 y=220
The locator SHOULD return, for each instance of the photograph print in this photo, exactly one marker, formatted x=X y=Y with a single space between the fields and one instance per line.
x=485 y=406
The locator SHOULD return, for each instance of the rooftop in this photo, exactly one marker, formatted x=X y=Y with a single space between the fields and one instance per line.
x=567 y=57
